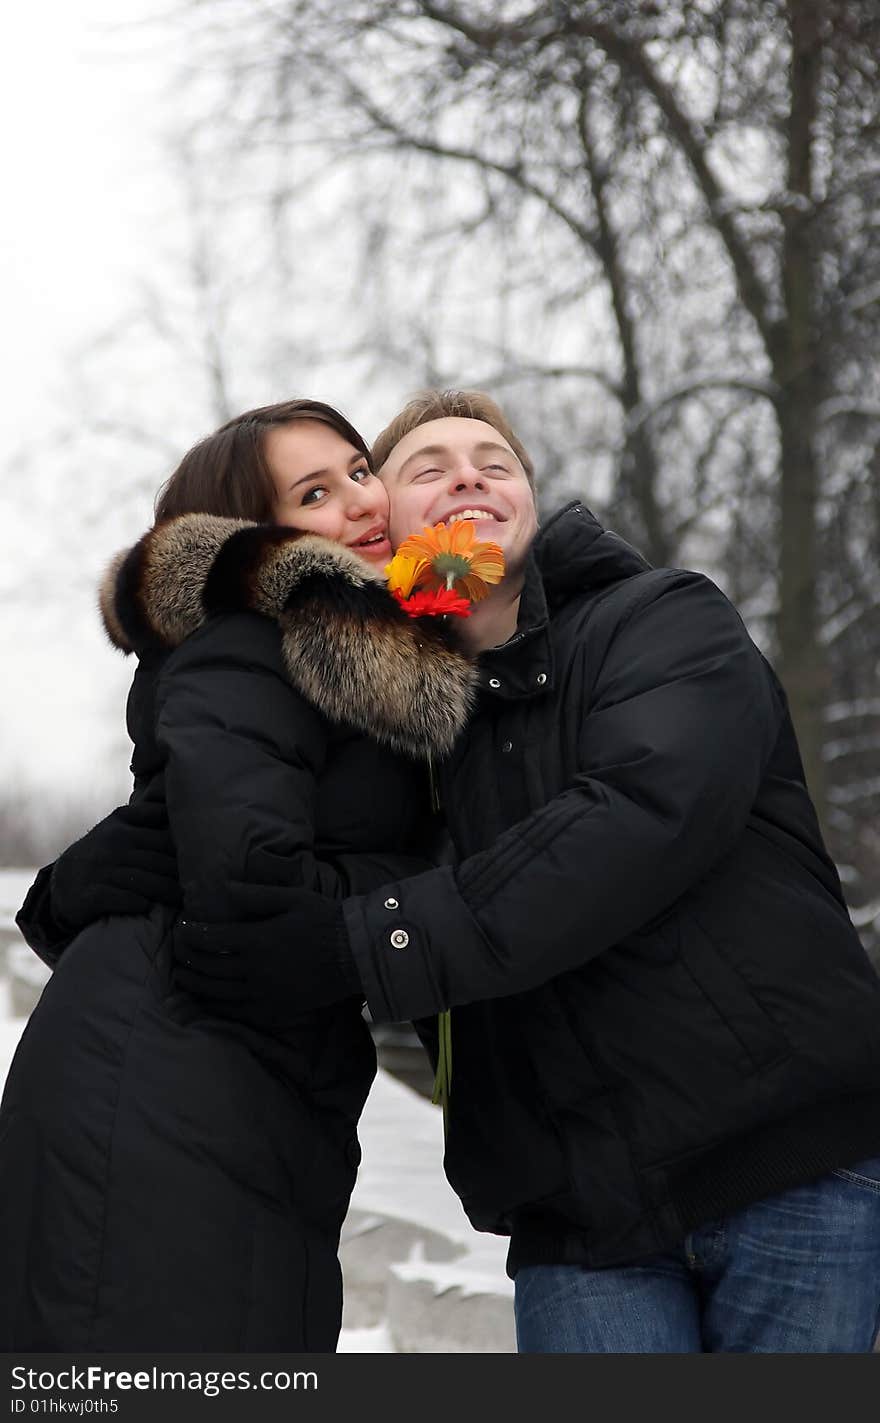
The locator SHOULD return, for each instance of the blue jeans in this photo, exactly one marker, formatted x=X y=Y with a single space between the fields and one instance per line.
x=798 y=1273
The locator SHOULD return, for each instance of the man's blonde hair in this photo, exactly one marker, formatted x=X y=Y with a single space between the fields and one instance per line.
x=440 y=405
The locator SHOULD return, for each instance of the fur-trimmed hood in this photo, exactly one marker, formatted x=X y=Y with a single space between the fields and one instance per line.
x=347 y=646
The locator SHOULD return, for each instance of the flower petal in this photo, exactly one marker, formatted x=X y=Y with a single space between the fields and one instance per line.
x=404 y=571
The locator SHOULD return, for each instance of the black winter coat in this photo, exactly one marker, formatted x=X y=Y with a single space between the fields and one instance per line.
x=665 y=1011
x=168 y=1180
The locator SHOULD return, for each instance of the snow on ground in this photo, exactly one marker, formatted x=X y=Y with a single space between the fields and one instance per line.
x=410 y=1257
x=14 y=885
x=376 y=1340
x=10 y=1031
x=418 y=1279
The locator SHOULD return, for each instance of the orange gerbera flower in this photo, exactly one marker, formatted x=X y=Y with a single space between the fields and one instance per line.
x=454 y=558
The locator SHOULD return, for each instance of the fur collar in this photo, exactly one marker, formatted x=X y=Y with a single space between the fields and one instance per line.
x=346 y=644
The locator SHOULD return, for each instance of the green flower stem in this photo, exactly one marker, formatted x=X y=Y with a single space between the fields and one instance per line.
x=443 y=1076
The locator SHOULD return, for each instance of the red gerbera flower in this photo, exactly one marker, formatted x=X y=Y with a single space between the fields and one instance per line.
x=434 y=603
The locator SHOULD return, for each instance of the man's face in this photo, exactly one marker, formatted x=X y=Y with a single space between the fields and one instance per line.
x=459 y=468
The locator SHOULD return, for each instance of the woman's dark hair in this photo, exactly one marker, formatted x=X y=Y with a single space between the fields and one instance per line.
x=226 y=473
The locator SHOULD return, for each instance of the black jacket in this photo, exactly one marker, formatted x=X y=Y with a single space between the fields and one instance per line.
x=661 y=1011
x=169 y=1180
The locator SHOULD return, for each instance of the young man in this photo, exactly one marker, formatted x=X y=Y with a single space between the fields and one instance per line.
x=665 y=1056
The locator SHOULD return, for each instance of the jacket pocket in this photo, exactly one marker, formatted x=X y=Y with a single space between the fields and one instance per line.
x=742 y=1015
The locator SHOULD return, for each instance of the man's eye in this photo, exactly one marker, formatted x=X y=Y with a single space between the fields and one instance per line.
x=427 y=474
x=502 y=467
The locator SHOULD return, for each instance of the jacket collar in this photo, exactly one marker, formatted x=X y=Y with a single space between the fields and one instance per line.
x=572 y=554
x=576 y=554
x=346 y=644
x=522 y=666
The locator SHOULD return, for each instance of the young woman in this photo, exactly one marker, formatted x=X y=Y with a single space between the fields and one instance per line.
x=169 y=1179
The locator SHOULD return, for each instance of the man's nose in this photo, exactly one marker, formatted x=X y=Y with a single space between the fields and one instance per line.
x=465 y=477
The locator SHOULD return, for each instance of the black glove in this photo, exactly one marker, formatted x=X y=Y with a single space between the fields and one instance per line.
x=124 y=865
x=269 y=971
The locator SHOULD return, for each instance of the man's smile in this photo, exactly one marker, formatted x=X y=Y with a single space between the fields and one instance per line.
x=473 y=511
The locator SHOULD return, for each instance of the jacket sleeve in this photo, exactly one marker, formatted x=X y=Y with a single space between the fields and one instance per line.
x=243 y=753
x=682 y=721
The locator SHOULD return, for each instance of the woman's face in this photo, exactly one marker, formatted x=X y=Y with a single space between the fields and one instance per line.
x=323 y=485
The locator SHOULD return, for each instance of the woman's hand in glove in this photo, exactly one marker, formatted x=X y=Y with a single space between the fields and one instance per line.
x=124 y=865
x=268 y=971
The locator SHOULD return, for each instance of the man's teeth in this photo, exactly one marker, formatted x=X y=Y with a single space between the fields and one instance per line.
x=470 y=514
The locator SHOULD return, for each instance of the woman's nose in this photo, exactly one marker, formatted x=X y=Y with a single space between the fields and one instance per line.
x=367 y=499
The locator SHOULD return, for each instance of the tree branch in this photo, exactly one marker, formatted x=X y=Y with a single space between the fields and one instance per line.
x=691 y=385
x=543 y=25
x=513 y=172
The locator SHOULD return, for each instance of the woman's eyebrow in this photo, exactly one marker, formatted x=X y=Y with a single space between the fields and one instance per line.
x=304 y=478
x=323 y=473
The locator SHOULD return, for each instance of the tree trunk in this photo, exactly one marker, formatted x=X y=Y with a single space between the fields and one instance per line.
x=798 y=373
x=804 y=668
x=635 y=500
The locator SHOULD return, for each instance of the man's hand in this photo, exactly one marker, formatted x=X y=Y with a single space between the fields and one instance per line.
x=268 y=971
x=124 y=865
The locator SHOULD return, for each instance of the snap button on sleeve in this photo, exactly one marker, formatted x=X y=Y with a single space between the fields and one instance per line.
x=399 y=939
x=542 y=677
x=494 y=682
x=391 y=904
x=508 y=746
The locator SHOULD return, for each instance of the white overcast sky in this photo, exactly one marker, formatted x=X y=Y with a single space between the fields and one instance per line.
x=79 y=118
x=78 y=115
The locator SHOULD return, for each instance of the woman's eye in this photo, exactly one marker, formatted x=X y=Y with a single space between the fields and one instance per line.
x=318 y=490
x=361 y=474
